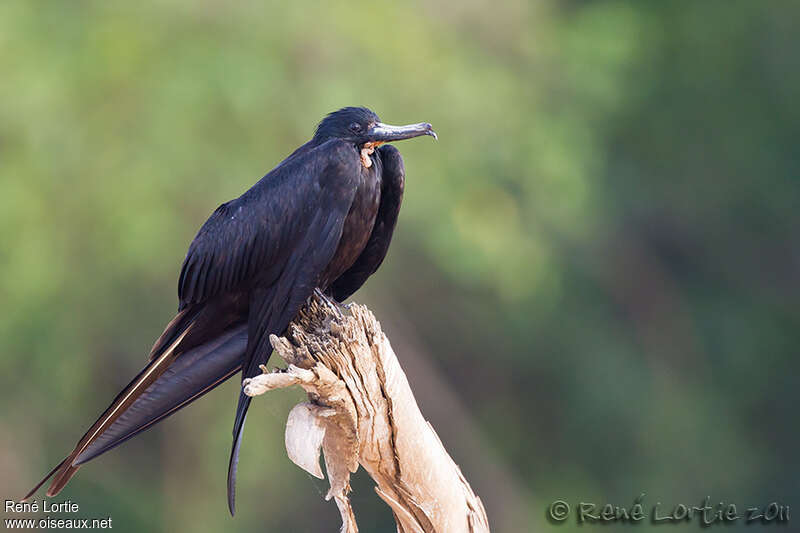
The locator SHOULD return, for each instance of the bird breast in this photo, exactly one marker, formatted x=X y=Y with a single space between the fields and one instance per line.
x=357 y=226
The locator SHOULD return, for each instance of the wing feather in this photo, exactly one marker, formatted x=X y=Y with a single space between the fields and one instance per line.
x=272 y=307
x=247 y=241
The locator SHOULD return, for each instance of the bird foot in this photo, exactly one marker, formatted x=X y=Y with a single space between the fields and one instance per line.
x=333 y=306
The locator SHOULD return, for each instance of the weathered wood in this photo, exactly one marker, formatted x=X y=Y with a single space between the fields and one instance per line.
x=361 y=411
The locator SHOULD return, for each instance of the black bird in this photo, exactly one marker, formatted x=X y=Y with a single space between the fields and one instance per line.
x=323 y=218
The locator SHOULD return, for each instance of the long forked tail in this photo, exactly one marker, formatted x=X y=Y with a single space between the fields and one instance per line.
x=170 y=381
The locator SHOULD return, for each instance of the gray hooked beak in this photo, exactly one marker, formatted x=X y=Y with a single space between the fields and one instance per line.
x=380 y=132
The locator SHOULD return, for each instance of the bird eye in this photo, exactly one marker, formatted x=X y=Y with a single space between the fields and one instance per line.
x=355 y=127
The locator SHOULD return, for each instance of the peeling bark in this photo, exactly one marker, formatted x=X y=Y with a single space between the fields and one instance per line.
x=361 y=411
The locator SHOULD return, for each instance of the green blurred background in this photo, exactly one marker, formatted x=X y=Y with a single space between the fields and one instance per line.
x=593 y=286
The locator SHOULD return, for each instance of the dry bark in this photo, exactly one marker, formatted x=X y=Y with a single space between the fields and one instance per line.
x=361 y=411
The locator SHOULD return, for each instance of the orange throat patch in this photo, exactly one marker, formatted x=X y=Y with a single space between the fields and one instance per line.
x=366 y=151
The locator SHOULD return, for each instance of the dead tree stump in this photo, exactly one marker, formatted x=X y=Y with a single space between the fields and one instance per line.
x=361 y=411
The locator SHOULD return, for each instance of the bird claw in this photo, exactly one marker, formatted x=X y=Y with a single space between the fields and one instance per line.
x=333 y=306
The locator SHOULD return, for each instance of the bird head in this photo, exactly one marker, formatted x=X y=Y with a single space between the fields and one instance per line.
x=363 y=128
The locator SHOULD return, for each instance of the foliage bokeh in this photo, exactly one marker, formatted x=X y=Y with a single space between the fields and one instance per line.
x=595 y=275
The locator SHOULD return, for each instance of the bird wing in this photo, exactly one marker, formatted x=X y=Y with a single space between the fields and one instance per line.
x=392 y=186
x=243 y=239
x=275 y=239
x=273 y=242
x=335 y=167
x=248 y=242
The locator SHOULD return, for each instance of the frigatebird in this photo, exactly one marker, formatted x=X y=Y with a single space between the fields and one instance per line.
x=321 y=220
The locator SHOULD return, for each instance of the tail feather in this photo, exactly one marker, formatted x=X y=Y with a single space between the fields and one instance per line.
x=176 y=327
x=63 y=477
x=193 y=374
x=43 y=481
x=150 y=373
x=233 y=463
x=170 y=381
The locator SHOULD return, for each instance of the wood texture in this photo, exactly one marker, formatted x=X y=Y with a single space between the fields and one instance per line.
x=361 y=411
